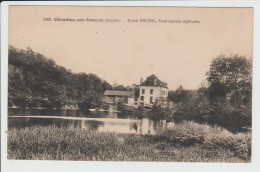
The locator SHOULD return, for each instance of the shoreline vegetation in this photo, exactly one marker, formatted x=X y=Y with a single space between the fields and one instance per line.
x=225 y=99
x=220 y=111
x=186 y=142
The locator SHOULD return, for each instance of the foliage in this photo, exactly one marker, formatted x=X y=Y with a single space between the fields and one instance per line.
x=231 y=78
x=127 y=111
x=36 y=81
x=121 y=88
x=225 y=100
x=186 y=102
x=229 y=91
x=178 y=95
x=162 y=109
x=191 y=133
x=213 y=144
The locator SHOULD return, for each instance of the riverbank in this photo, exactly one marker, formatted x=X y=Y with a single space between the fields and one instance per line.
x=186 y=142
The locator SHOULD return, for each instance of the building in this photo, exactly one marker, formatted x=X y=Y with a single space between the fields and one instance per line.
x=151 y=89
x=115 y=96
x=144 y=94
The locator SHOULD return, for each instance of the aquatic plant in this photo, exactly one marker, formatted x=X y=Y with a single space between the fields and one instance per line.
x=189 y=142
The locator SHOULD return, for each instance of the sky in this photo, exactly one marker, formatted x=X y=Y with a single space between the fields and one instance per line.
x=124 y=52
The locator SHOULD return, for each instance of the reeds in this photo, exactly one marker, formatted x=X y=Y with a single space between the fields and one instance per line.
x=189 y=142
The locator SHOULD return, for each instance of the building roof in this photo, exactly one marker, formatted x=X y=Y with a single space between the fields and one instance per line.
x=118 y=93
x=154 y=81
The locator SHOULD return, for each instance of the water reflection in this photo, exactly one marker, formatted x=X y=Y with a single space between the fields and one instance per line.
x=73 y=113
x=102 y=121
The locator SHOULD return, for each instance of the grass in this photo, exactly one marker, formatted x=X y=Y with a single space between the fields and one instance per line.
x=187 y=142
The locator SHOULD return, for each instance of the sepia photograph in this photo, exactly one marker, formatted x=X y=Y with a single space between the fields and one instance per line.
x=124 y=83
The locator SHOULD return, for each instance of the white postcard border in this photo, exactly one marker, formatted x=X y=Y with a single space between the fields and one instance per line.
x=34 y=165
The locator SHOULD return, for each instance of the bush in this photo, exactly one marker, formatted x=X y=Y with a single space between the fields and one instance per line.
x=210 y=137
x=158 y=113
x=240 y=144
x=139 y=112
x=184 y=134
x=54 y=143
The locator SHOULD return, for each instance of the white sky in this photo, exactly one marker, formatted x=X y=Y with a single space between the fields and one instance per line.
x=125 y=52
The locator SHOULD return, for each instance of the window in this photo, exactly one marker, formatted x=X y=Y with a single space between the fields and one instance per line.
x=155 y=81
x=163 y=92
x=142 y=98
x=143 y=91
x=151 y=100
x=151 y=91
x=136 y=99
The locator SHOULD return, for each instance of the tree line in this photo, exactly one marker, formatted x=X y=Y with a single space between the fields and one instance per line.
x=225 y=99
x=34 y=81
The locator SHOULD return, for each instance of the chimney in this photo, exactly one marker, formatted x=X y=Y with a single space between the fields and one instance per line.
x=141 y=81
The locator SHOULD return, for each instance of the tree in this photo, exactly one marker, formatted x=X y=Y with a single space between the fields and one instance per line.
x=106 y=86
x=18 y=93
x=229 y=92
x=54 y=94
x=36 y=81
x=231 y=77
x=120 y=88
x=162 y=110
x=178 y=95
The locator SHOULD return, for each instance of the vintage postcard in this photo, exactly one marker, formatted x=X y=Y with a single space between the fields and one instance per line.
x=130 y=83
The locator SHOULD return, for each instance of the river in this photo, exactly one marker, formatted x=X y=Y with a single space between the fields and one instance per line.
x=85 y=120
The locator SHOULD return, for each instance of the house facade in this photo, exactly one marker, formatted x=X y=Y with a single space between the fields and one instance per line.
x=151 y=89
x=144 y=94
